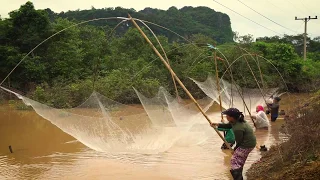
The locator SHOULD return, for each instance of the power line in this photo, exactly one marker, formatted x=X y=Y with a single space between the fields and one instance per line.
x=266 y=17
x=307 y=7
x=300 y=26
x=246 y=17
x=315 y=32
x=295 y=7
x=273 y=4
x=281 y=10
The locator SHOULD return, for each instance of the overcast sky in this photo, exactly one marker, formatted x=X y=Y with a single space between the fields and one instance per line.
x=280 y=11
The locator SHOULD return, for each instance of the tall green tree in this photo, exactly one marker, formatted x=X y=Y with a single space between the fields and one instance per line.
x=29 y=27
x=64 y=55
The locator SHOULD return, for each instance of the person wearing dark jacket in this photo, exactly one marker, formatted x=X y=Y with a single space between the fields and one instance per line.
x=274 y=109
x=245 y=140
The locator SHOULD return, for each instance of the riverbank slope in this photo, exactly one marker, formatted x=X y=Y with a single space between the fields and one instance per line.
x=298 y=158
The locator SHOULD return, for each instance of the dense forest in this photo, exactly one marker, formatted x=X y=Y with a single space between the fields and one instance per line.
x=185 y=21
x=66 y=68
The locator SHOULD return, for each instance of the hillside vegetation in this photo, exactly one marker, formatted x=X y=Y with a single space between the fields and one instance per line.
x=64 y=70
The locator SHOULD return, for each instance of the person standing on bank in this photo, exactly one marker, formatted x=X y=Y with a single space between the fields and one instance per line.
x=245 y=140
x=274 y=109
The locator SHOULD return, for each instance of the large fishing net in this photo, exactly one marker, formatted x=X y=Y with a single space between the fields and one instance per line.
x=232 y=95
x=173 y=111
x=108 y=126
x=167 y=111
x=163 y=120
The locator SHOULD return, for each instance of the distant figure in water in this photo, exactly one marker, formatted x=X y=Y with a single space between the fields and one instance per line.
x=270 y=100
x=261 y=120
x=274 y=109
x=245 y=140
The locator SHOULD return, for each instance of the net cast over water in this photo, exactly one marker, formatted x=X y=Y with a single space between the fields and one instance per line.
x=167 y=111
x=231 y=97
x=108 y=126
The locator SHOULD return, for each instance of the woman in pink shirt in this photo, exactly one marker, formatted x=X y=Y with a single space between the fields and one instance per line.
x=261 y=120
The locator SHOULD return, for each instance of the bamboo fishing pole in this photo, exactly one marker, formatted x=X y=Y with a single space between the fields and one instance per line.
x=255 y=76
x=256 y=81
x=165 y=55
x=262 y=81
x=231 y=76
x=240 y=93
x=261 y=77
x=177 y=78
x=248 y=109
x=218 y=88
x=218 y=83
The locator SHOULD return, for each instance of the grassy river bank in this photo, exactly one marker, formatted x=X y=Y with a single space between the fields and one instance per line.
x=297 y=158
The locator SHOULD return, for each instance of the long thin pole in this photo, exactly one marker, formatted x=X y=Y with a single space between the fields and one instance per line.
x=254 y=76
x=224 y=61
x=261 y=76
x=240 y=93
x=305 y=40
x=218 y=82
x=177 y=78
x=257 y=84
x=305 y=34
x=218 y=87
x=166 y=57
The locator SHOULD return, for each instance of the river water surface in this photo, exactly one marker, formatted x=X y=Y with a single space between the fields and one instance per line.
x=43 y=151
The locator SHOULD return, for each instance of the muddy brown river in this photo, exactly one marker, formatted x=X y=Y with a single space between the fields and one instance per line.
x=43 y=151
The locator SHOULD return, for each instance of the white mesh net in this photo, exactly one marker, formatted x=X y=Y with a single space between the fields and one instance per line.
x=166 y=111
x=231 y=97
x=105 y=125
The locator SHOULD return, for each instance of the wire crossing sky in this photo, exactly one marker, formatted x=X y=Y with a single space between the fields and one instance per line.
x=261 y=11
x=248 y=18
x=267 y=17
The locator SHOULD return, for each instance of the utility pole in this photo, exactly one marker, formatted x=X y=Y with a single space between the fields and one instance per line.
x=305 y=34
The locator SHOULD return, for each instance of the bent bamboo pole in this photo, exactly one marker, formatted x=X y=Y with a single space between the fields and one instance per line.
x=166 y=57
x=177 y=78
x=218 y=82
x=237 y=88
x=256 y=81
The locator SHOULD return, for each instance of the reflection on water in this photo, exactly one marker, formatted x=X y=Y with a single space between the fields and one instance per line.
x=43 y=151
